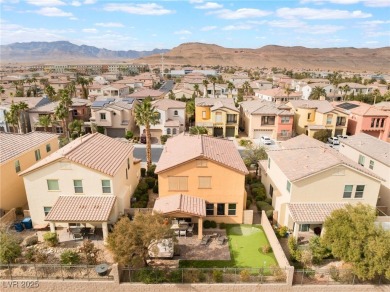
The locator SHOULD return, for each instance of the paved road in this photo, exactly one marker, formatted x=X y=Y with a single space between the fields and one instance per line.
x=167 y=86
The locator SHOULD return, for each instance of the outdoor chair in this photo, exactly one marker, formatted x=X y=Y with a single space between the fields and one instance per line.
x=221 y=240
x=190 y=229
x=174 y=221
x=176 y=231
x=77 y=236
x=91 y=233
x=205 y=240
x=183 y=233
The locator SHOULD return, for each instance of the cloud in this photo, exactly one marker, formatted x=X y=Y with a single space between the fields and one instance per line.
x=46 y=3
x=183 y=31
x=286 y=23
x=240 y=13
x=140 y=9
x=209 y=5
x=374 y=23
x=310 y=13
x=53 y=12
x=238 y=27
x=86 y=2
x=208 y=28
x=369 y=3
x=195 y=1
x=109 y=24
x=90 y=30
x=76 y=3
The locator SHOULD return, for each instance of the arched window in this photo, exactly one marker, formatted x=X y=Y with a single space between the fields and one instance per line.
x=175 y=113
x=174 y=131
x=168 y=131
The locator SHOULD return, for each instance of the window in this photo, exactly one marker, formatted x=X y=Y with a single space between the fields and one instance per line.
x=382 y=123
x=103 y=116
x=371 y=164
x=372 y=123
x=78 y=186
x=348 y=191
x=46 y=210
x=329 y=119
x=232 y=209
x=304 y=227
x=285 y=120
x=48 y=148
x=175 y=113
x=106 y=186
x=284 y=133
x=268 y=120
x=359 y=191
x=205 y=182
x=17 y=166
x=361 y=160
x=53 y=185
x=174 y=131
x=178 y=183
x=201 y=163
x=203 y=114
x=341 y=121
x=210 y=209
x=168 y=131
x=288 y=186
x=308 y=116
x=271 y=190
x=231 y=118
x=37 y=155
x=220 y=209
x=59 y=130
x=218 y=117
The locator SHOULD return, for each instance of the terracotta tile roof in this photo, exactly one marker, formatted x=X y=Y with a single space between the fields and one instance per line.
x=183 y=148
x=353 y=85
x=279 y=92
x=146 y=92
x=384 y=105
x=370 y=146
x=261 y=107
x=95 y=151
x=31 y=101
x=322 y=106
x=216 y=103
x=362 y=109
x=303 y=156
x=181 y=203
x=13 y=145
x=312 y=213
x=47 y=108
x=81 y=209
x=165 y=104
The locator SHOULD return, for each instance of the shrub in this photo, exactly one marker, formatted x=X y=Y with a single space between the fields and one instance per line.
x=263 y=206
x=143 y=172
x=193 y=276
x=90 y=252
x=31 y=240
x=268 y=200
x=318 y=250
x=164 y=138
x=269 y=214
x=309 y=273
x=306 y=258
x=36 y=256
x=334 y=273
x=236 y=136
x=266 y=248
x=129 y=135
x=155 y=188
x=255 y=185
x=70 y=257
x=143 y=186
x=10 y=248
x=150 y=171
x=245 y=143
x=295 y=254
x=150 y=181
x=50 y=238
x=260 y=198
x=222 y=225
x=282 y=231
x=245 y=276
x=217 y=276
x=206 y=224
x=278 y=273
x=213 y=224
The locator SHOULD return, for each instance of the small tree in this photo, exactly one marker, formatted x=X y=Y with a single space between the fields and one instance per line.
x=9 y=247
x=70 y=257
x=196 y=130
x=254 y=153
x=321 y=135
x=318 y=249
x=90 y=252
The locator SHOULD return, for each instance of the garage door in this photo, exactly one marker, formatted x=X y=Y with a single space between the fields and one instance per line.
x=115 y=132
x=218 y=132
x=258 y=133
x=230 y=131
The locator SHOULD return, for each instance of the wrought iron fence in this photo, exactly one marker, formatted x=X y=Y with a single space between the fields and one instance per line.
x=203 y=275
x=51 y=272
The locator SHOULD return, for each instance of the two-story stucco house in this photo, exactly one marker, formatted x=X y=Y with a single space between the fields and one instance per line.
x=308 y=89
x=260 y=117
x=279 y=95
x=311 y=116
x=115 y=90
x=218 y=115
x=17 y=153
x=373 y=154
x=201 y=177
x=88 y=181
x=307 y=180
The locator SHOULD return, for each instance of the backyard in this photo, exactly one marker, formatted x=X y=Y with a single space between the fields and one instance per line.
x=246 y=244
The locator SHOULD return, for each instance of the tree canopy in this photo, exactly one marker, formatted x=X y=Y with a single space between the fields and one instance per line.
x=254 y=153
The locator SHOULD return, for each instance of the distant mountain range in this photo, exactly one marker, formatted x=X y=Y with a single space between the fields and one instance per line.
x=63 y=50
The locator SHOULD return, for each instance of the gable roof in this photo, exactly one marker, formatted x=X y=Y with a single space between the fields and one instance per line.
x=313 y=213
x=146 y=92
x=95 y=151
x=165 y=104
x=360 y=109
x=321 y=106
x=183 y=148
x=181 y=203
x=259 y=107
x=13 y=145
x=216 y=103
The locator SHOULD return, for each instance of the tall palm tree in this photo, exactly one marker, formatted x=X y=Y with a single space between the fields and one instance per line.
x=317 y=92
x=11 y=118
x=62 y=110
x=213 y=80
x=49 y=90
x=335 y=79
x=84 y=82
x=196 y=89
x=345 y=89
x=246 y=87
x=71 y=87
x=376 y=93
x=146 y=115
x=22 y=108
x=190 y=109
x=76 y=128
x=230 y=87
x=288 y=91
x=205 y=83
x=44 y=121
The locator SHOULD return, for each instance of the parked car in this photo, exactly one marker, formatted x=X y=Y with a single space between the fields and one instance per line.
x=265 y=140
x=342 y=137
x=334 y=140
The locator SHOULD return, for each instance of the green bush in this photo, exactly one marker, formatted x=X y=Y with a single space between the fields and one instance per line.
x=269 y=214
x=213 y=224
x=260 y=198
x=266 y=248
x=268 y=200
x=255 y=185
x=222 y=225
x=295 y=254
x=70 y=257
x=206 y=224
x=143 y=186
x=318 y=249
x=245 y=276
x=10 y=248
x=263 y=206
x=245 y=143
x=217 y=276
x=150 y=171
x=50 y=238
x=143 y=172
x=155 y=188
x=150 y=182
x=282 y=231
x=129 y=135
x=248 y=203
x=164 y=138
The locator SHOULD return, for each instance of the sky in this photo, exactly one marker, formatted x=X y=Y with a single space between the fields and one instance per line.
x=164 y=24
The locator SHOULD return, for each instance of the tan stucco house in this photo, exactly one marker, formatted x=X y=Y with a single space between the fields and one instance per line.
x=17 y=153
x=207 y=173
x=89 y=181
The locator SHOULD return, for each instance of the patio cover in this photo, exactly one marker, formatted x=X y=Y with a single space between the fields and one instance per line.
x=181 y=203
x=312 y=213
x=81 y=209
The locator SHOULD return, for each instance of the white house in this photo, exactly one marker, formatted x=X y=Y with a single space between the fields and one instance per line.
x=308 y=89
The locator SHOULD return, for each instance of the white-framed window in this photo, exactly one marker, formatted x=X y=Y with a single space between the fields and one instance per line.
x=203 y=114
x=168 y=131
x=359 y=191
x=46 y=210
x=209 y=209
x=103 y=116
x=17 y=166
x=37 y=155
x=204 y=182
x=288 y=186
x=232 y=209
x=329 y=119
x=78 y=186
x=304 y=227
x=59 y=130
x=220 y=209
x=48 y=148
x=178 y=183
x=347 y=191
x=106 y=186
x=362 y=159
x=53 y=185
x=174 y=131
x=201 y=163
x=371 y=164
x=285 y=120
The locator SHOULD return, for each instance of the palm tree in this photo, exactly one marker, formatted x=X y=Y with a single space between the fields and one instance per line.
x=84 y=82
x=62 y=110
x=22 y=107
x=146 y=115
x=197 y=130
x=49 y=90
x=2 y=90
x=76 y=128
x=11 y=118
x=196 y=89
x=376 y=93
x=72 y=88
x=205 y=83
x=213 y=80
x=230 y=87
x=345 y=89
x=190 y=109
x=246 y=87
x=44 y=121
x=335 y=79
x=317 y=92
x=288 y=91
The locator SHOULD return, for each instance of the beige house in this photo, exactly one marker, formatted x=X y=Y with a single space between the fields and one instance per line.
x=207 y=173
x=311 y=116
x=307 y=180
x=87 y=182
x=372 y=154
x=19 y=152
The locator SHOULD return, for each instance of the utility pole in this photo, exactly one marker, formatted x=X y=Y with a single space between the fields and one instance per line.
x=162 y=64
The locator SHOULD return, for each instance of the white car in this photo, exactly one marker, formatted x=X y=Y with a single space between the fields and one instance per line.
x=265 y=140
x=334 y=140
x=342 y=137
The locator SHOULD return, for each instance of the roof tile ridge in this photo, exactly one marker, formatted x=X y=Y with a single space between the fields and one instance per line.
x=86 y=139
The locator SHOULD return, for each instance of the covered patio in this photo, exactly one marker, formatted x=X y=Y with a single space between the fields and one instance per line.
x=82 y=214
x=188 y=208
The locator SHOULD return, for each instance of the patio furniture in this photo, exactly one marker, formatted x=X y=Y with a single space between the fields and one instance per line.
x=190 y=229
x=221 y=240
x=183 y=233
x=174 y=222
x=205 y=240
x=91 y=232
x=77 y=236
x=101 y=269
x=176 y=231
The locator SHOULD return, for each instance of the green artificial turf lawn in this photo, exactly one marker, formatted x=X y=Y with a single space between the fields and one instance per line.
x=245 y=242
